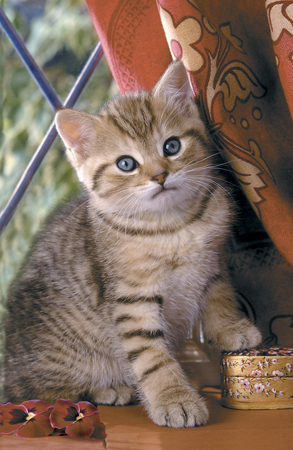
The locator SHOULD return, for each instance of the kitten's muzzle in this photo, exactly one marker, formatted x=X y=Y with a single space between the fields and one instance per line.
x=160 y=179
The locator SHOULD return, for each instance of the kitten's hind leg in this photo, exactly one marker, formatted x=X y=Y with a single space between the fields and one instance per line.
x=115 y=395
x=224 y=324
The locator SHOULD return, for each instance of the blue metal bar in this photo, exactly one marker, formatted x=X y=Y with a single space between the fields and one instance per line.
x=29 y=61
x=48 y=140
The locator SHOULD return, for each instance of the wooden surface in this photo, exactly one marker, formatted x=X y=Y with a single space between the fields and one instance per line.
x=129 y=428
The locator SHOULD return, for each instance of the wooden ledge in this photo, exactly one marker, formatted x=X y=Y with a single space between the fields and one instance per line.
x=129 y=428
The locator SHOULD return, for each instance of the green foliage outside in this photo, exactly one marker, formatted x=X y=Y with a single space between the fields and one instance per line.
x=60 y=39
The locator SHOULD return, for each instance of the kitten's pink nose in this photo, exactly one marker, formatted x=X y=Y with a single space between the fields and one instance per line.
x=161 y=177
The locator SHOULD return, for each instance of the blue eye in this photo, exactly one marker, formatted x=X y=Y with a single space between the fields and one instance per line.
x=171 y=146
x=127 y=163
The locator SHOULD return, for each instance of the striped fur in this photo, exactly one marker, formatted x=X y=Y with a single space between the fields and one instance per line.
x=118 y=276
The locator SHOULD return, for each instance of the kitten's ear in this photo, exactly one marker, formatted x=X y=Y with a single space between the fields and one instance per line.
x=175 y=84
x=77 y=131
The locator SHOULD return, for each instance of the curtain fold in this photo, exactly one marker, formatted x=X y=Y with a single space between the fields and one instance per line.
x=133 y=40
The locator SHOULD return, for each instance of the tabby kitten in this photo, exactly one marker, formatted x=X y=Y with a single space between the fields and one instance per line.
x=120 y=274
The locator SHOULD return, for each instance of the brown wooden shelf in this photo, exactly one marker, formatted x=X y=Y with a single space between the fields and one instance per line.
x=129 y=428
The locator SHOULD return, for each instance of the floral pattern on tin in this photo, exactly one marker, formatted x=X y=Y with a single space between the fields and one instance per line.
x=246 y=389
x=257 y=375
x=262 y=362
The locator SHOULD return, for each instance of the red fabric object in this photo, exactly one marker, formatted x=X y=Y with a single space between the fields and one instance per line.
x=133 y=40
x=239 y=57
x=280 y=18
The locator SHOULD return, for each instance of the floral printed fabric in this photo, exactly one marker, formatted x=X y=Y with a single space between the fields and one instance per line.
x=239 y=57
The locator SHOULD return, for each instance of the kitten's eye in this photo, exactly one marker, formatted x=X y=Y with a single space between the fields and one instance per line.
x=127 y=163
x=171 y=146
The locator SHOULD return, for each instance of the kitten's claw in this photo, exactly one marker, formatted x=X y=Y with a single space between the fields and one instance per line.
x=188 y=411
x=116 y=395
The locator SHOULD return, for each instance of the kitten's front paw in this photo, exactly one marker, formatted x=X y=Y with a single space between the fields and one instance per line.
x=185 y=409
x=115 y=395
x=242 y=336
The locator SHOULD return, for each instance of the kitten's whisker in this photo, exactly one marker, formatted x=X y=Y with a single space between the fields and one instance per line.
x=198 y=161
x=223 y=189
x=225 y=163
x=206 y=167
x=211 y=193
x=112 y=207
x=210 y=166
x=86 y=201
x=117 y=192
x=217 y=178
x=130 y=200
x=204 y=178
x=210 y=177
x=214 y=165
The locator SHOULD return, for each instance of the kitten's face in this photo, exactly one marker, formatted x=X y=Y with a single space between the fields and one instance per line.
x=143 y=152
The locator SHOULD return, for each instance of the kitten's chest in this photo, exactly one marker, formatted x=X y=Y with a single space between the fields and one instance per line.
x=173 y=266
x=150 y=265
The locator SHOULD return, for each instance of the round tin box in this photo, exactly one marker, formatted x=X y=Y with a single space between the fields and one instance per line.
x=257 y=379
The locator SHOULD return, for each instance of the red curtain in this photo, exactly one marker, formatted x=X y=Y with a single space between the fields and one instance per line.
x=239 y=57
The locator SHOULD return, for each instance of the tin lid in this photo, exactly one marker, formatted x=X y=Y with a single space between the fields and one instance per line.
x=258 y=362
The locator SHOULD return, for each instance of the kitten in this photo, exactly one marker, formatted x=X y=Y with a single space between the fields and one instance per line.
x=119 y=275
